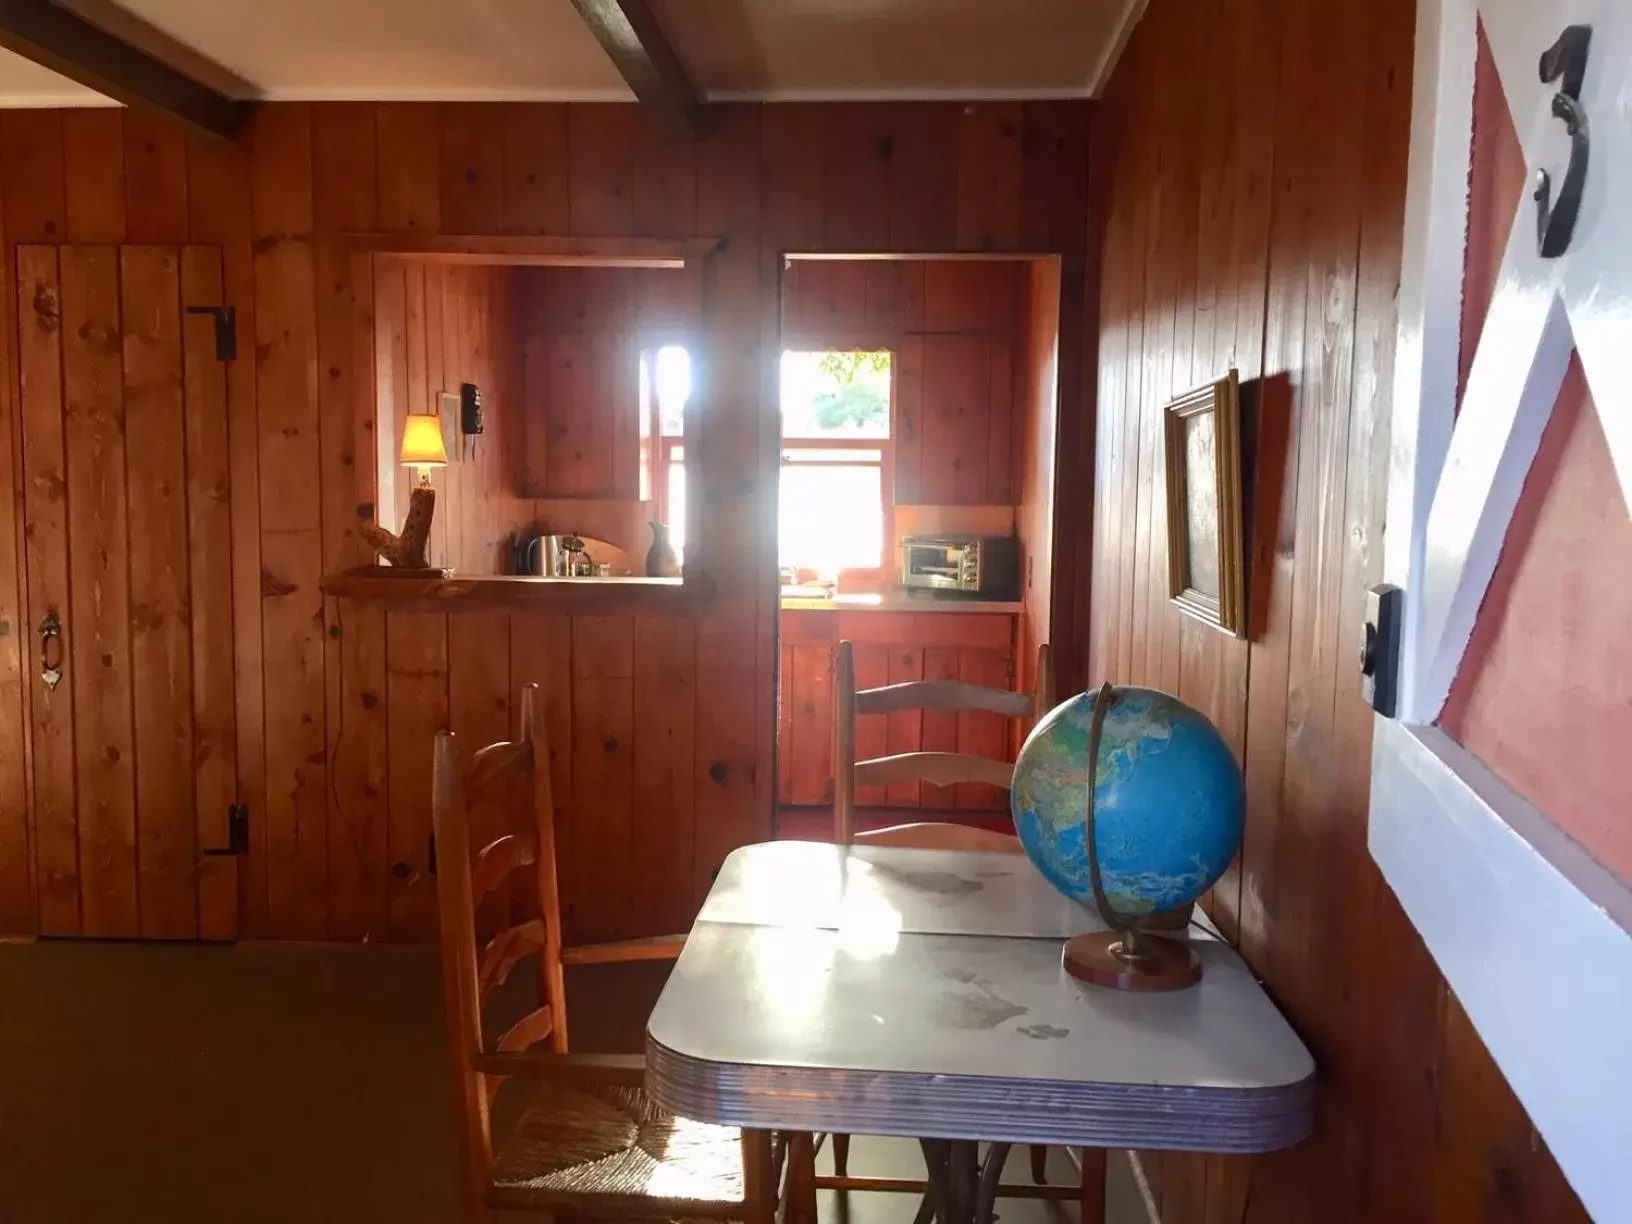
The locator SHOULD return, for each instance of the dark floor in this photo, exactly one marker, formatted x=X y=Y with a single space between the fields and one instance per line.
x=276 y=1083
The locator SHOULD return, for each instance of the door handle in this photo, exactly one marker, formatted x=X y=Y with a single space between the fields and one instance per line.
x=51 y=632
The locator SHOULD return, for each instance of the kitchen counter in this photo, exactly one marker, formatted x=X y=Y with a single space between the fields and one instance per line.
x=897 y=602
x=484 y=593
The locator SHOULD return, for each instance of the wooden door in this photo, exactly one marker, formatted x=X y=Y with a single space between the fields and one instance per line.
x=1529 y=923
x=127 y=552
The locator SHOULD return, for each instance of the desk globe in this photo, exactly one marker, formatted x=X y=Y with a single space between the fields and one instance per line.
x=1167 y=810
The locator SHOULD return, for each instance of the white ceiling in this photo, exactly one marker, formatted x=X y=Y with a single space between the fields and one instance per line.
x=541 y=50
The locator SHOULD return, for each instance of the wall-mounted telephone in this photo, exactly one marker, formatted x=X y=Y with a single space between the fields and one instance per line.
x=470 y=409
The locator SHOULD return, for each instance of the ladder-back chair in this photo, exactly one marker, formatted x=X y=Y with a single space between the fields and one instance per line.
x=586 y=1143
x=945 y=769
x=942 y=768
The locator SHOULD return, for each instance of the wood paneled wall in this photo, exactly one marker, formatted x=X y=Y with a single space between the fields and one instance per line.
x=582 y=331
x=334 y=707
x=1252 y=157
x=955 y=327
x=437 y=326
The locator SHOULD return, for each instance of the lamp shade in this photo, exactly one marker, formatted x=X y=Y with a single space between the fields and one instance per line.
x=422 y=441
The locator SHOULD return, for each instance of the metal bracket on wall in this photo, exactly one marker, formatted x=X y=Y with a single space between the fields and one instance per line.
x=226 y=329
x=237 y=833
x=1380 y=655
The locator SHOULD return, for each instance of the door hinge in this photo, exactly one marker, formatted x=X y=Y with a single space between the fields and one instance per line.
x=1380 y=652
x=226 y=329
x=237 y=833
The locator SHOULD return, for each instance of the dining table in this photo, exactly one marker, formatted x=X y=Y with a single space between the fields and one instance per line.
x=880 y=990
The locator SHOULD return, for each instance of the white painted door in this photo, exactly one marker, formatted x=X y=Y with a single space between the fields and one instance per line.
x=1531 y=932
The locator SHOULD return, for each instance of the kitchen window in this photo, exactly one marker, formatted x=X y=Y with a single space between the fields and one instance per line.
x=837 y=415
x=665 y=387
x=836 y=429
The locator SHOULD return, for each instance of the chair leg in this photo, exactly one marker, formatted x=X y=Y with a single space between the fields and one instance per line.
x=841 y=1155
x=1091 y=1197
x=1039 y=1164
x=799 y=1194
x=758 y=1177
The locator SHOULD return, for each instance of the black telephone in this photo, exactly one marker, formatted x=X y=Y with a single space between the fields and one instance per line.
x=470 y=409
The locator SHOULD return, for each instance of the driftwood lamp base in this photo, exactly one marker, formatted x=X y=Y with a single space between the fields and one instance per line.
x=406 y=551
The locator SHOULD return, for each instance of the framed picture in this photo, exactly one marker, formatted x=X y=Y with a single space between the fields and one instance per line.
x=1204 y=547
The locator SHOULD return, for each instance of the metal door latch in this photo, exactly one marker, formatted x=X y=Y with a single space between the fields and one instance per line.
x=226 y=329
x=237 y=833
x=1380 y=654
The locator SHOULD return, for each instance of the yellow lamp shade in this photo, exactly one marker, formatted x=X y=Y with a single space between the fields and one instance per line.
x=422 y=441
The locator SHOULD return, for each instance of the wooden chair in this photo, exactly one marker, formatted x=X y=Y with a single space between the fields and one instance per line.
x=586 y=1143
x=942 y=768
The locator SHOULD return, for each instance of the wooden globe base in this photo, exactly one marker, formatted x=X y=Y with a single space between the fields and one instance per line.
x=1160 y=964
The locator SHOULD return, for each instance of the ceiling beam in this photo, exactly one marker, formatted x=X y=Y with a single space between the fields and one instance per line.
x=629 y=33
x=71 y=46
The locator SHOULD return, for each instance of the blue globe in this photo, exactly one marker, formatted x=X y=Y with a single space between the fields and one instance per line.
x=1169 y=803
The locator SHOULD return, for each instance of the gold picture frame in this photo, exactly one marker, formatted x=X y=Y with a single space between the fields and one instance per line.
x=1204 y=522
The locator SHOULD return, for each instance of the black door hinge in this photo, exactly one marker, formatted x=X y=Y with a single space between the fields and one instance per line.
x=226 y=329
x=237 y=833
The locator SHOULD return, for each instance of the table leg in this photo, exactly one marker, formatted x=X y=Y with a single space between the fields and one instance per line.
x=937 y=1158
x=1091 y=1197
x=991 y=1173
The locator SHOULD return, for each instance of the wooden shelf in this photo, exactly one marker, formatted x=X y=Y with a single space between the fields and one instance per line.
x=516 y=593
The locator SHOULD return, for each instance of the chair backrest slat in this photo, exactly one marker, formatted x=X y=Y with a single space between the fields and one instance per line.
x=499 y=858
x=942 y=695
x=938 y=835
x=940 y=768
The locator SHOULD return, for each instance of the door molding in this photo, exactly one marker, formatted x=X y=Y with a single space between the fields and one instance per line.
x=1533 y=935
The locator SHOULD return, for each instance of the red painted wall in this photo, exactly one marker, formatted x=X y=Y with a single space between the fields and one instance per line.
x=1545 y=692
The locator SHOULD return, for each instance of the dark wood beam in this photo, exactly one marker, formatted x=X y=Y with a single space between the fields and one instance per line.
x=629 y=33
x=68 y=44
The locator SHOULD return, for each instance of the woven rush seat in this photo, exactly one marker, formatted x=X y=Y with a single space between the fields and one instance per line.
x=578 y=1147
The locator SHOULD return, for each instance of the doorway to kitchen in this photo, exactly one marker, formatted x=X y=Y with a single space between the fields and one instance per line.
x=919 y=400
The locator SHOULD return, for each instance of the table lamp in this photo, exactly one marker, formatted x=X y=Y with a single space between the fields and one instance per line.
x=422 y=450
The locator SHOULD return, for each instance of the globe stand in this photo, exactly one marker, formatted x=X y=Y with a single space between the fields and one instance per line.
x=1124 y=957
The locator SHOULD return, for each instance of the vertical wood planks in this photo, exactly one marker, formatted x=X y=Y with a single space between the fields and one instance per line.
x=32 y=178
x=417 y=697
x=407 y=149
x=479 y=713
x=535 y=168
x=989 y=177
x=600 y=825
x=155 y=178
x=160 y=591
x=94 y=171
x=291 y=527
x=45 y=513
x=210 y=580
x=872 y=665
x=99 y=611
x=658 y=884
x=471 y=169
x=600 y=153
x=905 y=730
x=19 y=906
x=220 y=211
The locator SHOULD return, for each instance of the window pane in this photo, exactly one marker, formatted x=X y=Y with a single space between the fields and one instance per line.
x=836 y=394
x=832 y=517
x=673 y=377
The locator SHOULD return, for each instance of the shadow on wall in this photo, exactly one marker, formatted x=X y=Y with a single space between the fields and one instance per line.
x=1266 y=426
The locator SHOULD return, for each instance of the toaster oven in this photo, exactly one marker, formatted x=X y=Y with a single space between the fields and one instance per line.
x=971 y=566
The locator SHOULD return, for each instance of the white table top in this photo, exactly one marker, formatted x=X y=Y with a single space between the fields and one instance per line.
x=813 y=884
x=885 y=991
